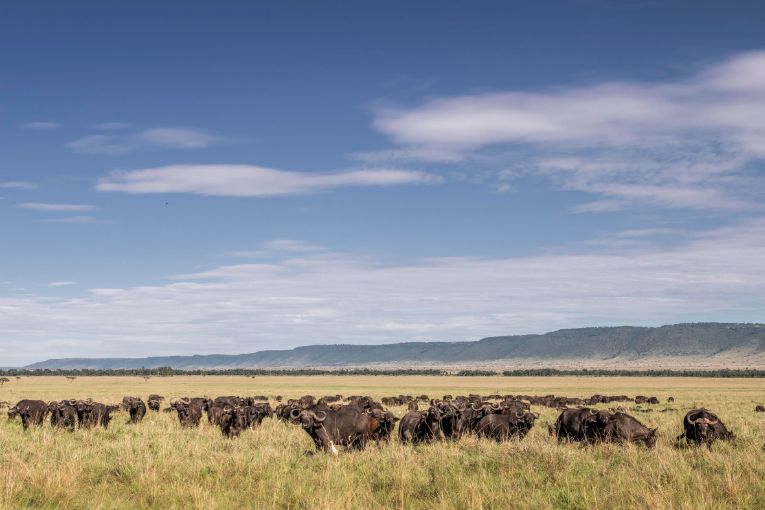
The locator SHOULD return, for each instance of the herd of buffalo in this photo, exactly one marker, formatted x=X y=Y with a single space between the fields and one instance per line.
x=332 y=421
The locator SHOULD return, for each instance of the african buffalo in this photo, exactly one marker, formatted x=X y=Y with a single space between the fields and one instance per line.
x=346 y=425
x=31 y=412
x=420 y=426
x=504 y=426
x=622 y=427
x=232 y=421
x=154 y=401
x=189 y=411
x=703 y=426
x=580 y=424
x=137 y=410
x=381 y=424
x=63 y=414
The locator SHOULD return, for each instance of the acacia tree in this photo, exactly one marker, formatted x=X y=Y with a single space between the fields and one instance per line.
x=3 y=380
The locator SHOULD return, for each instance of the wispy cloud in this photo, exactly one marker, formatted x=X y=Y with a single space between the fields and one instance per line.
x=686 y=143
x=41 y=126
x=278 y=246
x=38 y=206
x=111 y=126
x=82 y=219
x=315 y=297
x=61 y=283
x=251 y=180
x=155 y=138
x=17 y=185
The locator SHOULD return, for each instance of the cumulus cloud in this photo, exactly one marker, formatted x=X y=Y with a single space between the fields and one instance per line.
x=251 y=180
x=324 y=297
x=685 y=143
x=38 y=206
x=155 y=138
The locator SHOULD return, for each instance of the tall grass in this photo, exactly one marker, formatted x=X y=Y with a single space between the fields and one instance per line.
x=157 y=464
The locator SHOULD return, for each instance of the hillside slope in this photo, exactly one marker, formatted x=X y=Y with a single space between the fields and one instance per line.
x=600 y=346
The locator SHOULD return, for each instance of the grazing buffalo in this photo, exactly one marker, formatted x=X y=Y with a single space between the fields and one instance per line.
x=622 y=427
x=581 y=424
x=420 y=426
x=502 y=427
x=346 y=425
x=31 y=412
x=702 y=426
x=759 y=409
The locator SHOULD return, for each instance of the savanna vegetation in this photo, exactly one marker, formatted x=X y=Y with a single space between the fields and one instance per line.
x=157 y=464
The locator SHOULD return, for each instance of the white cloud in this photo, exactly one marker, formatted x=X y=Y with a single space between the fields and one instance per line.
x=62 y=283
x=278 y=246
x=111 y=126
x=324 y=297
x=70 y=219
x=251 y=180
x=684 y=143
x=17 y=185
x=155 y=138
x=37 y=206
x=41 y=126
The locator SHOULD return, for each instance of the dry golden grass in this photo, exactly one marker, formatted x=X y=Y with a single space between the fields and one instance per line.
x=159 y=465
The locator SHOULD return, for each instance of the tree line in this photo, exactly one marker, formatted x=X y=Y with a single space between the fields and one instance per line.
x=536 y=372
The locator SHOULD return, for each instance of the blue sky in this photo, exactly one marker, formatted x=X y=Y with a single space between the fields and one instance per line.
x=200 y=178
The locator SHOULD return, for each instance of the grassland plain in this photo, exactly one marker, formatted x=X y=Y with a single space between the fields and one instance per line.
x=156 y=464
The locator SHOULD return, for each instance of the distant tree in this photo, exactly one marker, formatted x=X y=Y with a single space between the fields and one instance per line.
x=3 y=380
x=71 y=378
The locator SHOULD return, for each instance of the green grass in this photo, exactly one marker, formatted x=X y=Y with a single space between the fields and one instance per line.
x=157 y=464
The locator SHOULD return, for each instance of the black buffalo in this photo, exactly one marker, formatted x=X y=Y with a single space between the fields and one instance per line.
x=420 y=426
x=189 y=411
x=63 y=414
x=154 y=401
x=232 y=420
x=31 y=412
x=381 y=424
x=91 y=414
x=137 y=410
x=703 y=426
x=622 y=427
x=346 y=425
x=506 y=425
x=581 y=424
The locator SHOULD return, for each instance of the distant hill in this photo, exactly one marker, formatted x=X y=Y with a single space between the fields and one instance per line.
x=681 y=345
